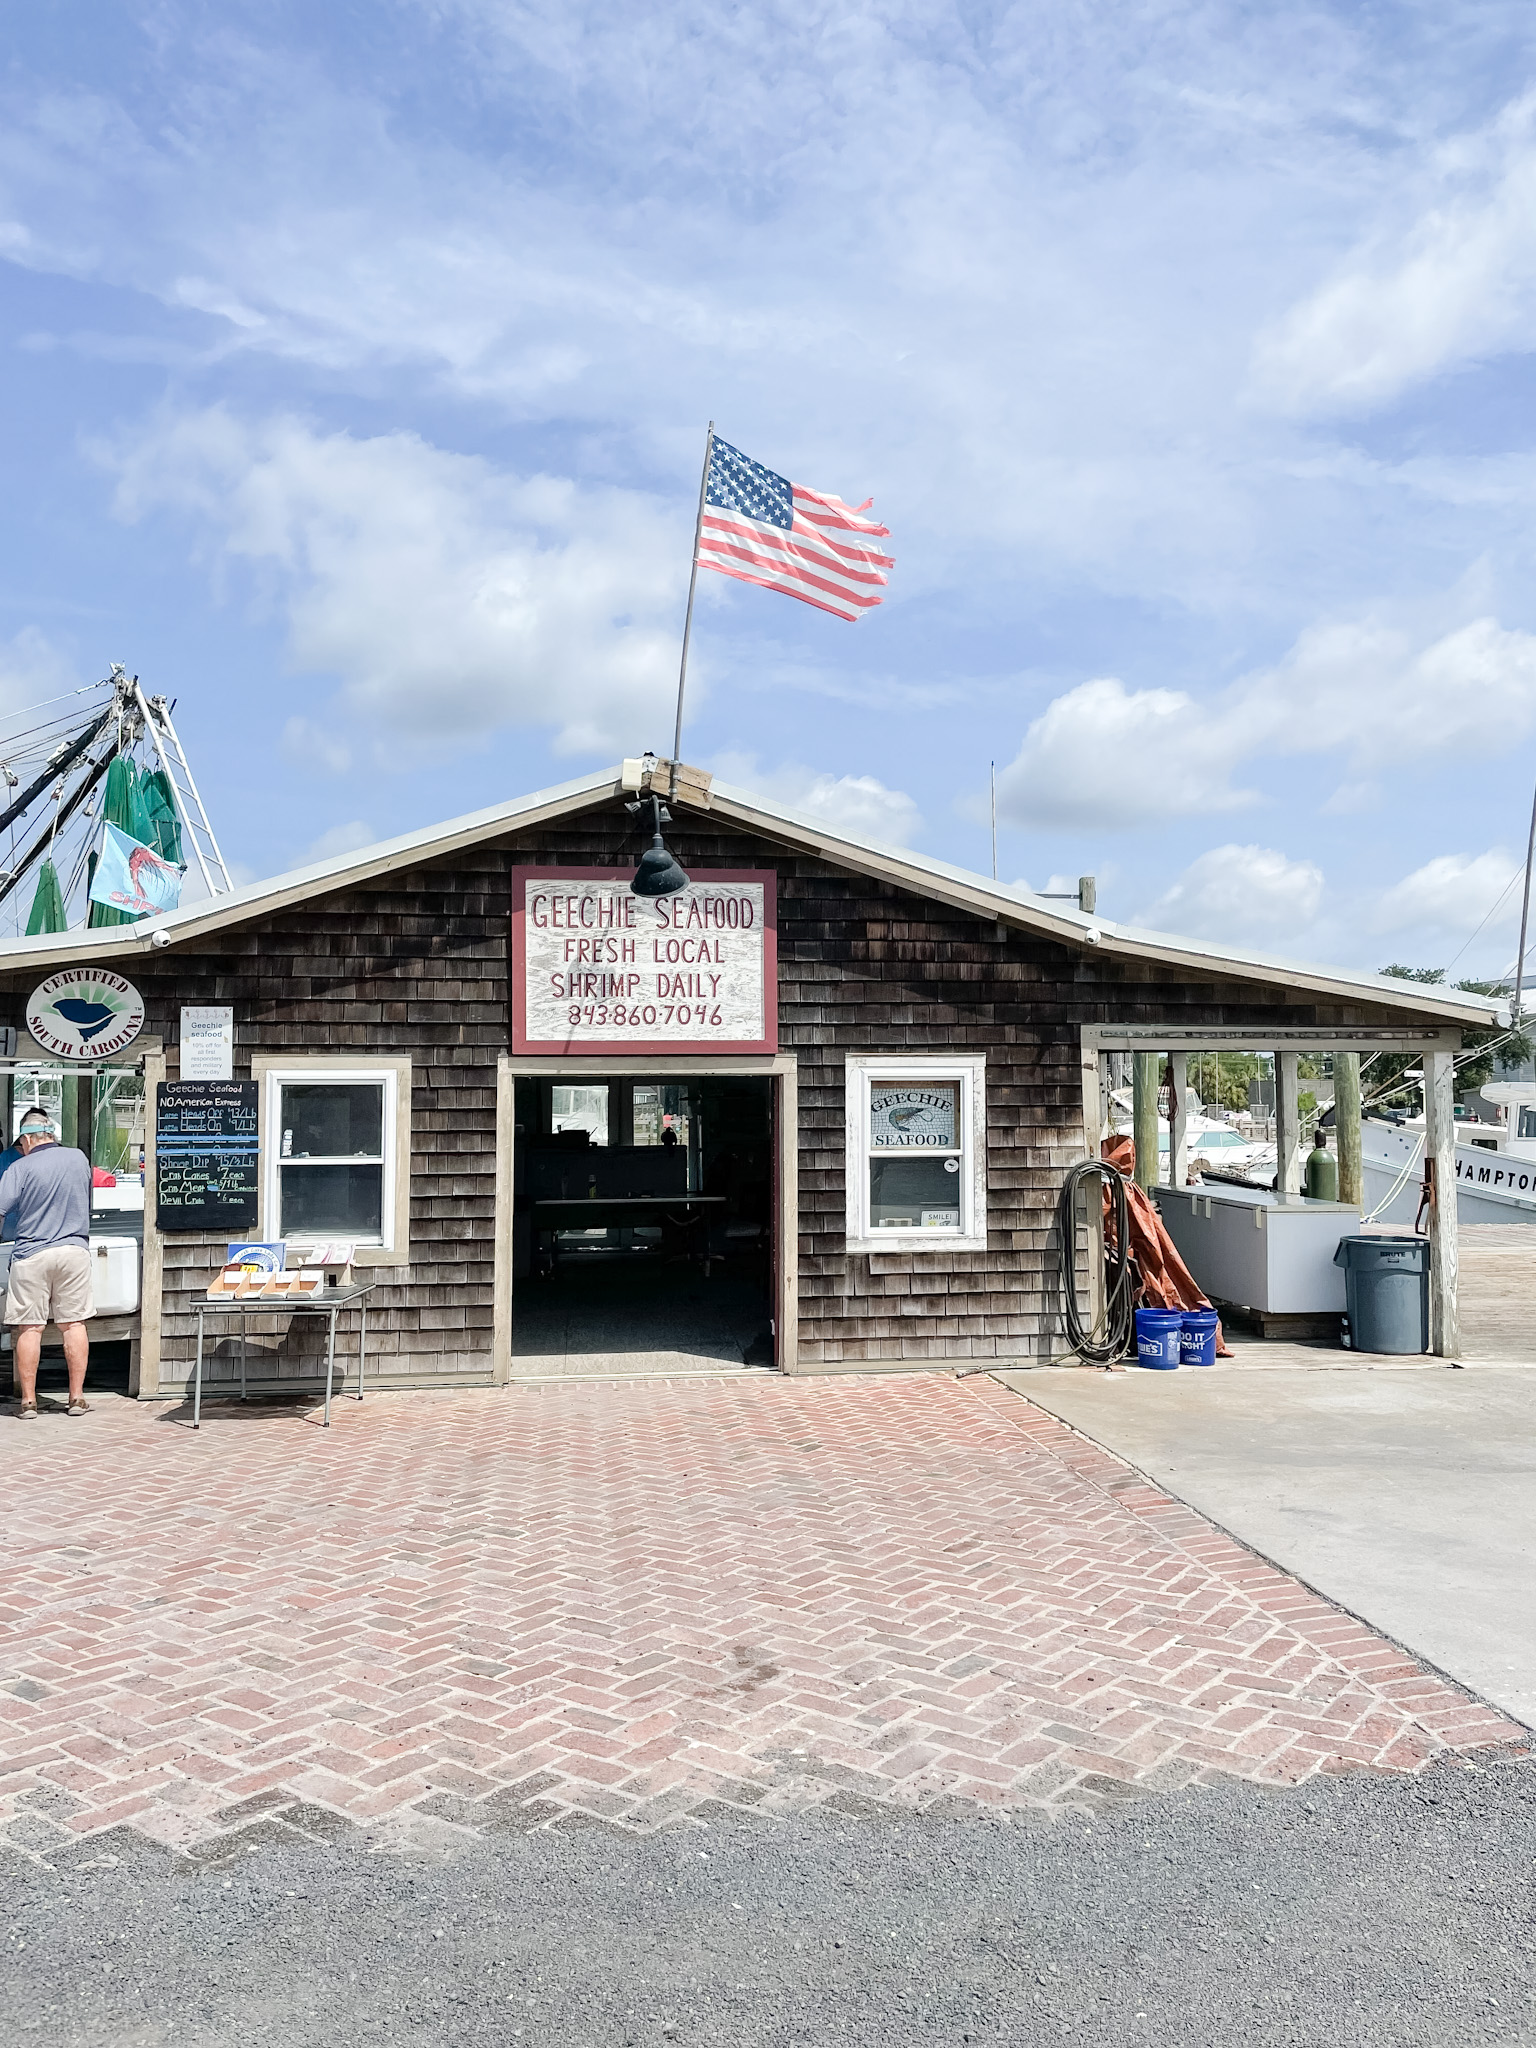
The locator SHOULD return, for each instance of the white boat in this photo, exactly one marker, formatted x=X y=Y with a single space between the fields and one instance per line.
x=1212 y=1142
x=1495 y=1163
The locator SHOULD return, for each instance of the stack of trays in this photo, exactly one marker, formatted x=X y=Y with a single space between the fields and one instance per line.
x=245 y=1283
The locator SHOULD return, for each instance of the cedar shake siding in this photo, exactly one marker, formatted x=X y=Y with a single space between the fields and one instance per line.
x=415 y=964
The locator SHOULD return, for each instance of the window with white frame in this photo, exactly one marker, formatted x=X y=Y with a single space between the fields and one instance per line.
x=331 y=1153
x=917 y=1153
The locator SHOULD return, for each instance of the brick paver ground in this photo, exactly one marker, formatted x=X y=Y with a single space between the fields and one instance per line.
x=625 y=1603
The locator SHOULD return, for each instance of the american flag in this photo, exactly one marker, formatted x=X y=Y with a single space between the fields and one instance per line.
x=763 y=529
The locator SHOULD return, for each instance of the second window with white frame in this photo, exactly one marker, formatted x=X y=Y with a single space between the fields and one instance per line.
x=916 y=1132
x=331 y=1154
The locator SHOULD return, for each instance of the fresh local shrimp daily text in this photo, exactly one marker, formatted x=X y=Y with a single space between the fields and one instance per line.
x=599 y=969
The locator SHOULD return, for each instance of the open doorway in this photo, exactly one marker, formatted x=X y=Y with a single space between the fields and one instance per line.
x=643 y=1223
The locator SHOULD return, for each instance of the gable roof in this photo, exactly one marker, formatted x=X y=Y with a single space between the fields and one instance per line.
x=796 y=831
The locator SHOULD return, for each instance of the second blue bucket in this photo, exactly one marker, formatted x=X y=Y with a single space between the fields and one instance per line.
x=1159 y=1333
x=1197 y=1341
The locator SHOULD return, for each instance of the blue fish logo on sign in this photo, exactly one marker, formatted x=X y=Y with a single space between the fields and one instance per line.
x=132 y=877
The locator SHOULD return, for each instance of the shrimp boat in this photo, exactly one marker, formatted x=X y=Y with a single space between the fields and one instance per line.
x=1495 y=1163
x=101 y=821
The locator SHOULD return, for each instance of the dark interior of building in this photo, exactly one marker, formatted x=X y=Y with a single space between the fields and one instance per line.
x=643 y=1223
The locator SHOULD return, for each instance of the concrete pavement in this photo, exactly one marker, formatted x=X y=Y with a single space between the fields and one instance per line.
x=1407 y=1496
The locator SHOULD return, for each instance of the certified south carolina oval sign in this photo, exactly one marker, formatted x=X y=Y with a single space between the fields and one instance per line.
x=86 y=1016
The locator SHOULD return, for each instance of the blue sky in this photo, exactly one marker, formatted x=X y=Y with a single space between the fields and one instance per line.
x=358 y=359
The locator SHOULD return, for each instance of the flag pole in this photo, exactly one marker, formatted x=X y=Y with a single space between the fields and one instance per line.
x=693 y=577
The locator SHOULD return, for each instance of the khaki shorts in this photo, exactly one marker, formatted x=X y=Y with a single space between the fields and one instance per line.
x=53 y=1286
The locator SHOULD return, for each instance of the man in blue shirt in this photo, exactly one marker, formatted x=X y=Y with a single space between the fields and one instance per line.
x=49 y=1188
x=9 y=1157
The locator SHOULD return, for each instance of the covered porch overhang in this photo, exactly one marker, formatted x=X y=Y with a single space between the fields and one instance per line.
x=1436 y=1047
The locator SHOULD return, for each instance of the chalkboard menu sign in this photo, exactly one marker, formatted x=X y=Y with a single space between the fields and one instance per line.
x=207 y=1163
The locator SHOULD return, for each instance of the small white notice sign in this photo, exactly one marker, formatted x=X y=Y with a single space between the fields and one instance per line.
x=596 y=968
x=207 y=1044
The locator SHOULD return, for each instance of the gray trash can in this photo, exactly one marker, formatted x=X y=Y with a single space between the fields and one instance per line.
x=1386 y=1284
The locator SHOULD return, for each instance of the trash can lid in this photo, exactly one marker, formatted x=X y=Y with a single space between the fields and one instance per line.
x=1407 y=1254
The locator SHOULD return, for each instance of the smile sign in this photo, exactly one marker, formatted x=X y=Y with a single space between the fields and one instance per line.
x=597 y=969
x=86 y=1016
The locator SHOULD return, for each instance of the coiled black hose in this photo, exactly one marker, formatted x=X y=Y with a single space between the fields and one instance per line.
x=1114 y=1337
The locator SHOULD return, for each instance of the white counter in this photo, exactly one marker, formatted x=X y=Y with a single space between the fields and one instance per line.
x=1247 y=1247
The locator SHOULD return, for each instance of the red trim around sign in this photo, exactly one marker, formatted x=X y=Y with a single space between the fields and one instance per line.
x=581 y=1048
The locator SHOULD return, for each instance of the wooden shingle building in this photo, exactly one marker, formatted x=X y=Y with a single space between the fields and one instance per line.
x=823 y=1096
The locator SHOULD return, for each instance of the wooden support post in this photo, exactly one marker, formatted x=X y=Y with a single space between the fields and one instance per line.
x=786 y=1131
x=1144 y=1116
x=1346 y=1124
x=1178 y=1120
x=1095 y=1097
x=75 y=1112
x=1440 y=1158
x=144 y=1356
x=1288 y=1159
x=502 y=1265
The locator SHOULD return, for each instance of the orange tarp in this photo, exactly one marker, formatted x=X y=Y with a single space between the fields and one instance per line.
x=1162 y=1280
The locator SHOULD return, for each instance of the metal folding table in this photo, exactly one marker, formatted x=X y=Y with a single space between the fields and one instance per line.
x=330 y=1302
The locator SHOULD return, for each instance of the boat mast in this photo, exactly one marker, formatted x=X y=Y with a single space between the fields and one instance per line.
x=1525 y=912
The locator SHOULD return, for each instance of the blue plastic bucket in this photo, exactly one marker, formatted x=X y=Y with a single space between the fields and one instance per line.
x=1159 y=1332
x=1197 y=1341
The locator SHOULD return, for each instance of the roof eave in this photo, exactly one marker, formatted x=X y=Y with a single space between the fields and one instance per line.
x=1092 y=933
x=260 y=899
x=796 y=830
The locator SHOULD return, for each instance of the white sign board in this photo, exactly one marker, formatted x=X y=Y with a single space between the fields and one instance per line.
x=207 y=1044
x=597 y=969
x=89 y=1015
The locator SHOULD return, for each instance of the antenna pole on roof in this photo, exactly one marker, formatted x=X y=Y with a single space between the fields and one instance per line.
x=693 y=577
x=994 y=821
x=1525 y=912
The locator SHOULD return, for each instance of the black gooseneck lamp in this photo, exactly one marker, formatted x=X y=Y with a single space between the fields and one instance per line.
x=658 y=874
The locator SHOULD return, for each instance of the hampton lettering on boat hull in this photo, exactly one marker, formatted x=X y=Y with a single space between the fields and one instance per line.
x=597 y=969
x=1516 y=1180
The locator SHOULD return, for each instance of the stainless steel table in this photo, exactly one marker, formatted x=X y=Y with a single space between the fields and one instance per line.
x=329 y=1302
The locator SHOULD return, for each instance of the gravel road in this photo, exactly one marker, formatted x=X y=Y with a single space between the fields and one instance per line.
x=1352 y=1910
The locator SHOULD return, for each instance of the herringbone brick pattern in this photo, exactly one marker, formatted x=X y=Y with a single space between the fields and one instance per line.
x=630 y=1602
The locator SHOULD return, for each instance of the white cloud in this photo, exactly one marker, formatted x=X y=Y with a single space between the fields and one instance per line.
x=1351 y=798
x=1104 y=755
x=34 y=671
x=1027 y=329
x=1369 y=684
x=1442 y=903
x=449 y=597
x=337 y=840
x=308 y=743
x=1459 y=283
x=1242 y=896
x=858 y=804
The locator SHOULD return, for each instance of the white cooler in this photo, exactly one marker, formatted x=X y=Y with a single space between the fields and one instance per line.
x=114 y=1274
